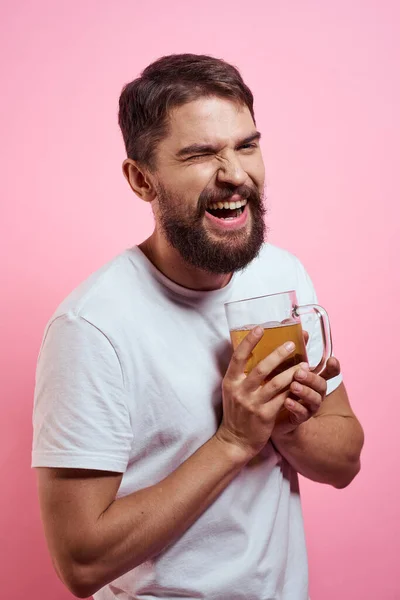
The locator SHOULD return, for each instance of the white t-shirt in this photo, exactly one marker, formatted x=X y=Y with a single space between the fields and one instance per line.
x=129 y=380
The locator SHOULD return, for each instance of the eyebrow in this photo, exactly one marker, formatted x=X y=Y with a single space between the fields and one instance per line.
x=210 y=149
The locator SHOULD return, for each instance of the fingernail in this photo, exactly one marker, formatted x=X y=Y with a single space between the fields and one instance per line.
x=258 y=330
x=296 y=387
x=305 y=366
x=301 y=374
x=289 y=346
x=290 y=403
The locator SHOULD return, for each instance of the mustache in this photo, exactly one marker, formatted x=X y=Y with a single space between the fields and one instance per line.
x=219 y=195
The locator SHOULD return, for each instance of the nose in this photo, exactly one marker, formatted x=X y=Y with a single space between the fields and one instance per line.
x=231 y=171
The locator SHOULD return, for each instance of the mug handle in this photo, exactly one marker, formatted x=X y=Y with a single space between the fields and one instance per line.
x=325 y=330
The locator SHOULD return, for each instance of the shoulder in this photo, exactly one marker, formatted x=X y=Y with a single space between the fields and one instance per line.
x=104 y=294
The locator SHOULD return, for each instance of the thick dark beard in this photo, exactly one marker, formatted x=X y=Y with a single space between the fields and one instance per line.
x=233 y=252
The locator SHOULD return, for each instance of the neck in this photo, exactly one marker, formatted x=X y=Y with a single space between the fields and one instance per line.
x=168 y=260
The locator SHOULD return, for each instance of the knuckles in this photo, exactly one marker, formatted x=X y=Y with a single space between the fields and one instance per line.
x=259 y=371
x=235 y=359
x=274 y=386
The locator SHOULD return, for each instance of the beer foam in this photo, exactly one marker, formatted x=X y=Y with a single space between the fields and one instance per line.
x=289 y=321
x=267 y=325
x=270 y=324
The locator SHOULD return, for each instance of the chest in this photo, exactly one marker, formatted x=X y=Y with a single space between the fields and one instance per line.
x=175 y=367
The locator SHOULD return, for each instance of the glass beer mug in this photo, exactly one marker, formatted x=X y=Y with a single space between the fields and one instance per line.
x=279 y=316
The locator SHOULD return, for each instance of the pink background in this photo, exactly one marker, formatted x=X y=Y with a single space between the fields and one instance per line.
x=326 y=81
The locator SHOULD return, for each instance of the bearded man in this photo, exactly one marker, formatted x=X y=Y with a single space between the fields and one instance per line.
x=163 y=469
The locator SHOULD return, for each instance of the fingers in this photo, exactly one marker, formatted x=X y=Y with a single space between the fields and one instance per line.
x=306 y=336
x=305 y=378
x=265 y=367
x=298 y=412
x=332 y=368
x=310 y=389
x=271 y=408
x=310 y=399
x=242 y=353
x=278 y=384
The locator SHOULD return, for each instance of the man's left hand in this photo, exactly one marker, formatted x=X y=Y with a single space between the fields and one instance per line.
x=308 y=391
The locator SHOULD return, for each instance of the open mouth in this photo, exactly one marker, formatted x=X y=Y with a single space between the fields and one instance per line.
x=227 y=210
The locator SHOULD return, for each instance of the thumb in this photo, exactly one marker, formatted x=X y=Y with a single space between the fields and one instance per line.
x=271 y=408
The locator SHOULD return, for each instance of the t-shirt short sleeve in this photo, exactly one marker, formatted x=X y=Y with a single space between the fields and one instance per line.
x=311 y=323
x=80 y=416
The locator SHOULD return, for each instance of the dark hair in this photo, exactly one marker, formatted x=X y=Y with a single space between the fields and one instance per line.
x=169 y=82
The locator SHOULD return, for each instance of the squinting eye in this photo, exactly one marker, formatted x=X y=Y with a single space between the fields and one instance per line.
x=248 y=146
x=198 y=156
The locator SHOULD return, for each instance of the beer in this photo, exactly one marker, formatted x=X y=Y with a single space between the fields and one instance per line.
x=273 y=337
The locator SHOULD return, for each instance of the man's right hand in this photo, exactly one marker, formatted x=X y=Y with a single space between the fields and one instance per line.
x=250 y=404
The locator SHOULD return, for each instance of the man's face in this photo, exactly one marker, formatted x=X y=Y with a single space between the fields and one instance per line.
x=211 y=156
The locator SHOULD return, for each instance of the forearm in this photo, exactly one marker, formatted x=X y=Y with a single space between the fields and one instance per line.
x=325 y=448
x=138 y=526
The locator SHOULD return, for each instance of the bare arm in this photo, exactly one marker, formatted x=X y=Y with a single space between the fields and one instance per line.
x=327 y=447
x=94 y=538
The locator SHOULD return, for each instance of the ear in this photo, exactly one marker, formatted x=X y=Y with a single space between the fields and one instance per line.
x=139 y=180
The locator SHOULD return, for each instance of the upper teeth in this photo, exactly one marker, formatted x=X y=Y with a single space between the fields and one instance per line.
x=231 y=205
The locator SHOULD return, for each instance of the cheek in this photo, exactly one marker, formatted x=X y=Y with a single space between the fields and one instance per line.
x=190 y=181
x=256 y=171
x=198 y=177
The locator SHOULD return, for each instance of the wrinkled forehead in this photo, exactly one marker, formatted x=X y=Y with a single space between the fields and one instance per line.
x=208 y=120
